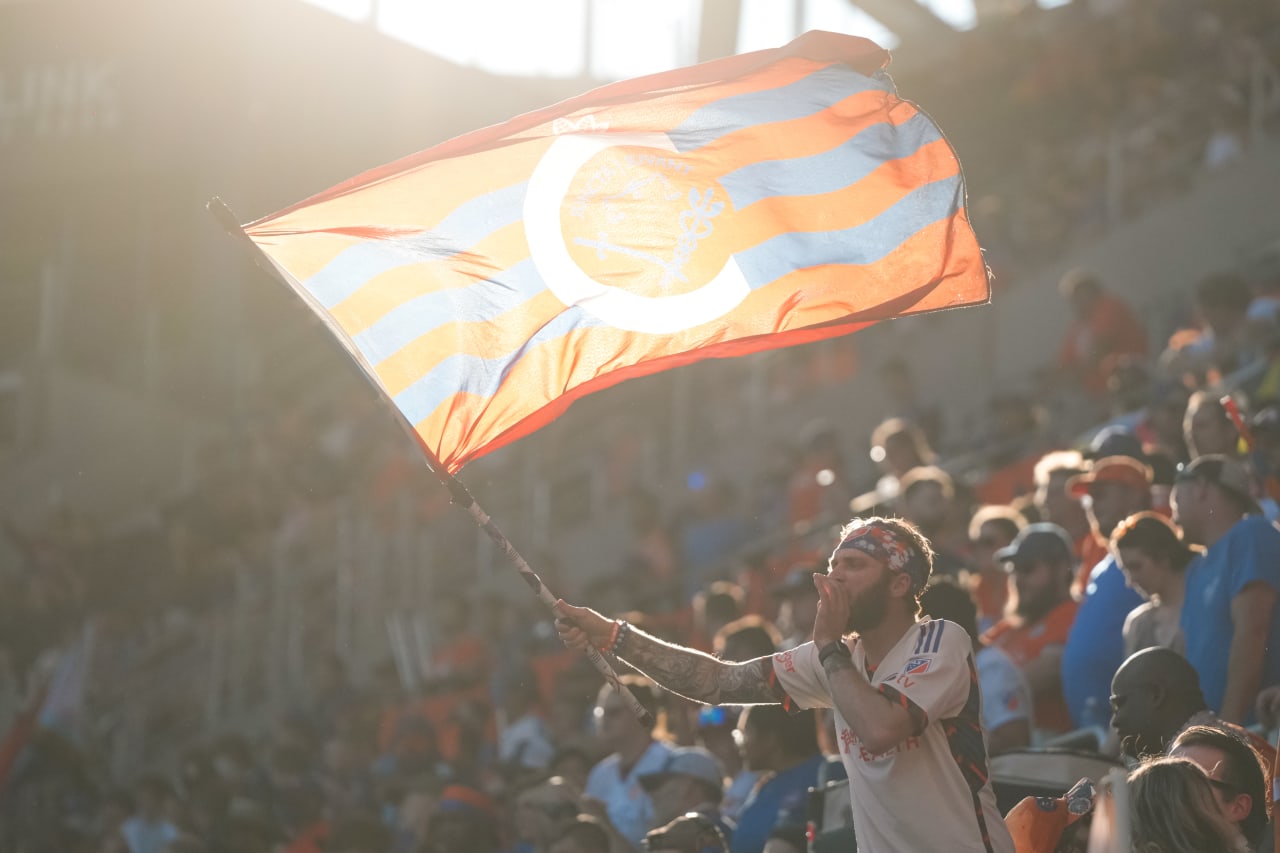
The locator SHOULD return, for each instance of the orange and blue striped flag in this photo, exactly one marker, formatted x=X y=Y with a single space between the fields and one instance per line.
x=748 y=203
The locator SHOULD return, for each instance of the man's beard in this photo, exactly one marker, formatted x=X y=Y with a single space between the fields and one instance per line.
x=868 y=610
x=1032 y=609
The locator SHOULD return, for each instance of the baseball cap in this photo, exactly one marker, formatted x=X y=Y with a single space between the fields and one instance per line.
x=1225 y=473
x=686 y=761
x=1111 y=469
x=1040 y=542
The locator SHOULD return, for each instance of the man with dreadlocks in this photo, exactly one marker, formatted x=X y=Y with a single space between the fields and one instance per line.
x=904 y=690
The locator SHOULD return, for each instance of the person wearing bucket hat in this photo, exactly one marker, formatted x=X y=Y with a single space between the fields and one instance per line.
x=1230 y=618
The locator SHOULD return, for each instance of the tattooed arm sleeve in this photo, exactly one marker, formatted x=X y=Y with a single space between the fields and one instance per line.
x=699 y=676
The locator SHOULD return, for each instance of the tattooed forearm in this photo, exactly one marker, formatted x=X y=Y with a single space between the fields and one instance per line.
x=698 y=676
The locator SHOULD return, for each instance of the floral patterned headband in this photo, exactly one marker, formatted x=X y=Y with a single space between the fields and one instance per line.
x=884 y=543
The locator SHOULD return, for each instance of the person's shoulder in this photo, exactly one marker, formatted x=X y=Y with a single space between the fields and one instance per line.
x=1140 y=614
x=938 y=636
x=992 y=657
x=603 y=767
x=1255 y=527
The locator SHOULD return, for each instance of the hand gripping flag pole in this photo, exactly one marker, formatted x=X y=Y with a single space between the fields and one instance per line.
x=459 y=493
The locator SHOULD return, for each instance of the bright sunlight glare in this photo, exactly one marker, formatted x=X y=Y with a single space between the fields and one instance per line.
x=550 y=38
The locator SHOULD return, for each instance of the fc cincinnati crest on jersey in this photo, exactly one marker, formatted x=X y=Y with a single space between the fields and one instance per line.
x=917 y=666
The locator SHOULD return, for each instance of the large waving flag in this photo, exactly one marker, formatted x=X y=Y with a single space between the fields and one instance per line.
x=748 y=203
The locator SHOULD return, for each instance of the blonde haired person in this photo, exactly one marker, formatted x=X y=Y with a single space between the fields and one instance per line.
x=1172 y=809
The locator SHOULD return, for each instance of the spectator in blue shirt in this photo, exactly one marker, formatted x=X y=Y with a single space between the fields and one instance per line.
x=1229 y=617
x=1111 y=490
x=785 y=747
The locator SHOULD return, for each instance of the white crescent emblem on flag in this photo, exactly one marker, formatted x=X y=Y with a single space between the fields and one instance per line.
x=548 y=185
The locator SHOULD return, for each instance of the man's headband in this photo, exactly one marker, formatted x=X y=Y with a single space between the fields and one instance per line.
x=884 y=543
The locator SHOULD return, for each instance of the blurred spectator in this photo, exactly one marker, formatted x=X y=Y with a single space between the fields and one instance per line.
x=1161 y=426
x=584 y=835
x=991 y=529
x=691 y=781
x=903 y=399
x=615 y=781
x=413 y=816
x=746 y=639
x=461 y=652
x=819 y=486
x=712 y=531
x=1006 y=697
x=1266 y=459
x=1034 y=634
x=1173 y=807
x=1113 y=489
x=149 y=830
x=1153 y=557
x=525 y=742
x=1015 y=438
x=1156 y=695
x=785 y=746
x=465 y=819
x=1229 y=619
x=1115 y=441
x=1236 y=772
x=897 y=446
x=1223 y=339
x=360 y=834
x=799 y=605
x=543 y=812
x=652 y=553
x=713 y=608
x=1104 y=329
x=717 y=732
x=1054 y=503
x=686 y=834
x=924 y=499
x=1208 y=428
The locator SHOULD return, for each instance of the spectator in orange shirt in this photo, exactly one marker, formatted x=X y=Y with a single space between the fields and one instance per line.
x=1034 y=635
x=1104 y=329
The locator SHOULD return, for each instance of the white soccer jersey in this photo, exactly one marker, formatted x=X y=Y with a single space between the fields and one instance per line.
x=930 y=792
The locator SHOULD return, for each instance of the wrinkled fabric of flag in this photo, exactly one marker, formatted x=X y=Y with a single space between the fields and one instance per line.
x=748 y=203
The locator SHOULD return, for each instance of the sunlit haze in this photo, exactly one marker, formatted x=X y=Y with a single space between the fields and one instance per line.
x=549 y=38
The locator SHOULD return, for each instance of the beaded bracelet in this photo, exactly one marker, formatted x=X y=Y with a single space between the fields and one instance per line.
x=620 y=633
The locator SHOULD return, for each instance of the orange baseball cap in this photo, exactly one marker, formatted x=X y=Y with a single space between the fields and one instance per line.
x=1112 y=469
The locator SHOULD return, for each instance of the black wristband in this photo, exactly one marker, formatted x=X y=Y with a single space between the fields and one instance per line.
x=835 y=647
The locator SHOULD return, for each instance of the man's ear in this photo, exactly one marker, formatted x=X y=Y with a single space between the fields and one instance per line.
x=900 y=585
x=1239 y=806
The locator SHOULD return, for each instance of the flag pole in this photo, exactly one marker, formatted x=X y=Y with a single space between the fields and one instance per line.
x=457 y=491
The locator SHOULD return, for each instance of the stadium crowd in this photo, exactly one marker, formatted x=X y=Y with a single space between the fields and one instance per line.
x=1119 y=581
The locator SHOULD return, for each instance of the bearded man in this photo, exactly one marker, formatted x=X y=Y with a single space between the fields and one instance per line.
x=904 y=690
